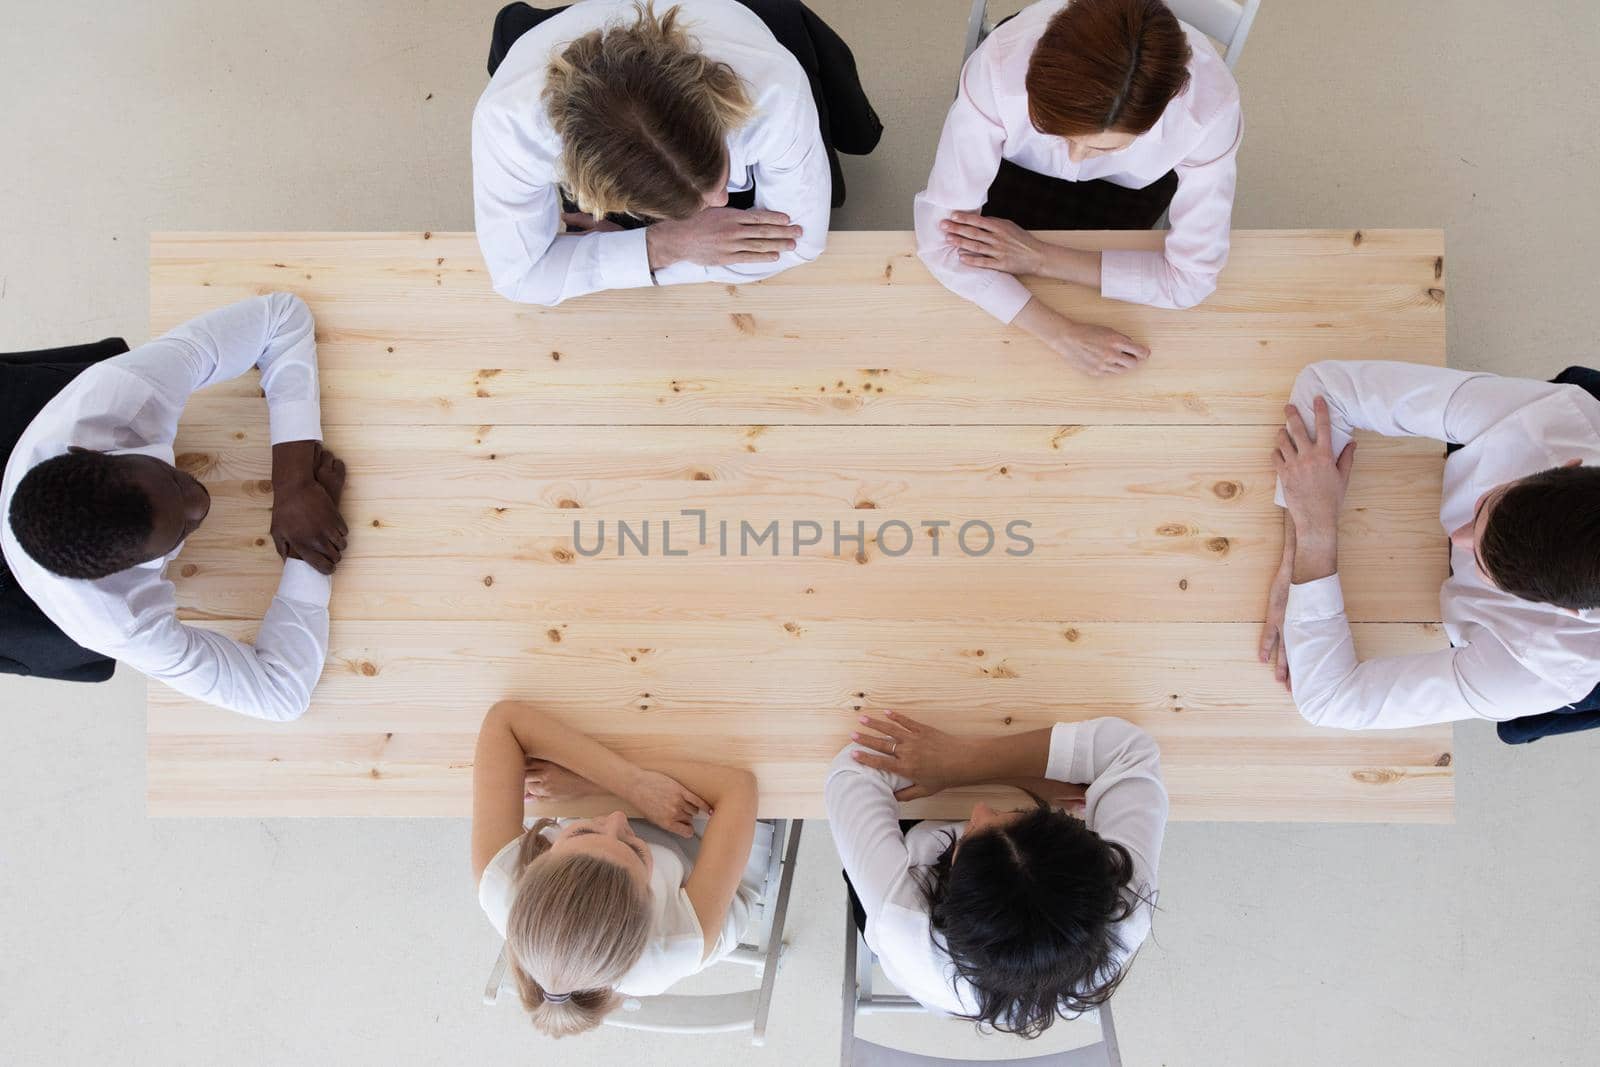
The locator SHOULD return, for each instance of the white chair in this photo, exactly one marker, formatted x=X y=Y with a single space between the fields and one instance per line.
x=861 y=999
x=1225 y=21
x=716 y=1013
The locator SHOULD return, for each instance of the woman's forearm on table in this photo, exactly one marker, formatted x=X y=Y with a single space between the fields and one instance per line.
x=543 y=737
x=1074 y=265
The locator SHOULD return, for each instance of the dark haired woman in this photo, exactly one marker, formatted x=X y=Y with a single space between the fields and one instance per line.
x=1012 y=918
x=1084 y=115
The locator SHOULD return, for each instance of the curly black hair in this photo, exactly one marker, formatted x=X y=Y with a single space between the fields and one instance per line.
x=1027 y=915
x=82 y=515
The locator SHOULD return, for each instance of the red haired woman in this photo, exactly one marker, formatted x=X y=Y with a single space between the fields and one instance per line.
x=1084 y=114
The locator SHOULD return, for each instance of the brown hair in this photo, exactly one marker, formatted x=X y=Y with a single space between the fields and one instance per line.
x=1106 y=65
x=1542 y=540
x=577 y=924
x=643 y=118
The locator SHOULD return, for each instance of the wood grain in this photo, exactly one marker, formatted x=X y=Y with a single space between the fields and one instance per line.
x=864 y=337
x=856 y=390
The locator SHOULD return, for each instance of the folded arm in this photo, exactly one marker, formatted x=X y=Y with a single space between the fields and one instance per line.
x=864 y=820
x=273 y=332
x=968 y=156
x=1332 y=686
x=1185 y=271
x=791 y=177
x=530 y=259
x=515 y=731
x=1411 y=400
x=270 y=679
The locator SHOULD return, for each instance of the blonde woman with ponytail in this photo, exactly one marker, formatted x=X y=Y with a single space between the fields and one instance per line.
x=594 y=909
x=618 y=146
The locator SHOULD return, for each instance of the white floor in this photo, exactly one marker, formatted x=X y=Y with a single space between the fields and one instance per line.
x=128 y=941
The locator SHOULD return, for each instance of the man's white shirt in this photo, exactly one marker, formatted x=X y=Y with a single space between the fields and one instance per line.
x=131 y=405
x=1509 y=657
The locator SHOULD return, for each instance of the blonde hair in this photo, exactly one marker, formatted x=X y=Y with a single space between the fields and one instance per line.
x=643 y=117
x=577 y=924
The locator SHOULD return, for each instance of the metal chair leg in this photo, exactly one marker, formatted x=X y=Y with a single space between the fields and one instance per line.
x=847 y=1023
x=1108 y=1037
x=774 y=938
x=497 y=976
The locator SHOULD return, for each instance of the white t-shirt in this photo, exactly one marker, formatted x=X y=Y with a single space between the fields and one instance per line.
x=676 y=948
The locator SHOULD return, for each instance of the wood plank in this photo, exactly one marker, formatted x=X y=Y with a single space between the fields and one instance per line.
x=399 y=706
x=408 y=327
x=1124 y=523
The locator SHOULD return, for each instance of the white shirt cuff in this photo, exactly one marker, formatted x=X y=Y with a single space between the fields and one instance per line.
x=1003 y=297
x=624 y=259
x=302 y=583
x=1063 y=740
x=1309 y=601
x=1128 y=275
x=295 y=420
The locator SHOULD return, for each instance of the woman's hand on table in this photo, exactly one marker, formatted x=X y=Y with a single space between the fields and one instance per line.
x=931 y=758
x=543 y=780
x=1092 y=349
x=661 y=799
x=995 y=244
x=1097 y=350
x=720 y=236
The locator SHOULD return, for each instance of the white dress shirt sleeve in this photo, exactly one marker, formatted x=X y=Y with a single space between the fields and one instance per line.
x=273 y=678
x=864 y=819
x=969 y=154
x=1332 y=687
x=1408 y=400
x=1201 y=215
x=1411 y=400
x=274 y=332
x=1126 y=801
x=518 y=220
x=791 y=175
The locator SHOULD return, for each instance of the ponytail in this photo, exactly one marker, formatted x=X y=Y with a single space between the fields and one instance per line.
x=579 y=923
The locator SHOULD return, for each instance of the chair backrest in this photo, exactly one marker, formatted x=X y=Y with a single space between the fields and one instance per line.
x=860 y=998
x=714 y=1013
x=1225 y=21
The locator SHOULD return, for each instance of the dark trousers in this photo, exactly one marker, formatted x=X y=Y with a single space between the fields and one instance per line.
x=30 y=643
x=845 y=116
x=1583 y=714
x=1037 y=202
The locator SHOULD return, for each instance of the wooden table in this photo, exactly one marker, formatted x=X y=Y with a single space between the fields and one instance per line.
x=477 y=432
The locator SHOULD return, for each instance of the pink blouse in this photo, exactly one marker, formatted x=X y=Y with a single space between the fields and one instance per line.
x=1198 y=136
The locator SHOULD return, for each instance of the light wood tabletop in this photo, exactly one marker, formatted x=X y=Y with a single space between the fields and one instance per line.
x=487 y=442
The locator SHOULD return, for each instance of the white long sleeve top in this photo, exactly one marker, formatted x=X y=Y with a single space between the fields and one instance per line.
x=1126 y=803
x=1198 y=136
x=516 y=158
